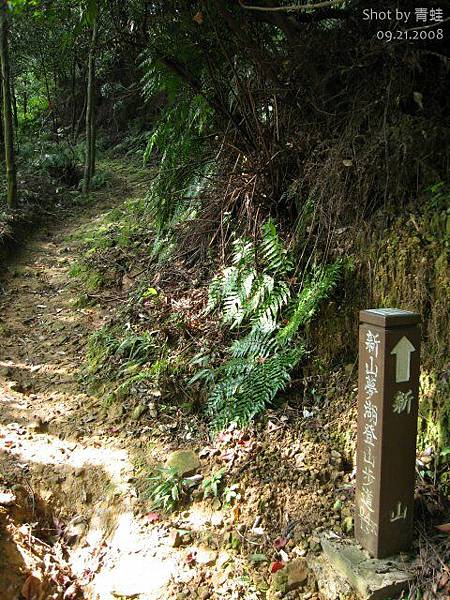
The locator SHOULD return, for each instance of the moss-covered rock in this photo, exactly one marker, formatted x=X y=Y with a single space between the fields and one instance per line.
x=185 y=462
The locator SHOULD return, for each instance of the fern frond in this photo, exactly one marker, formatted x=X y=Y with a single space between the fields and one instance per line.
x=273 y=304
x=256 y=296
x=309 y=299
x=258 y=343
x=252 y=394
x=273 y=252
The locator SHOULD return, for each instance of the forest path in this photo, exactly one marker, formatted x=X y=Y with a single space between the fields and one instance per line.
x=51 y=446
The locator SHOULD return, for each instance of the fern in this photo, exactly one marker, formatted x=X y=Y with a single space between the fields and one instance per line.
x=247 y=387
x=184 y=167
x=308 y=300
x=273 y=252
x=253 y=294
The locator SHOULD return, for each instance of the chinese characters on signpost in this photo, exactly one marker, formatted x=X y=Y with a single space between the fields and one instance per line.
x=370 y=432
x=387 y=427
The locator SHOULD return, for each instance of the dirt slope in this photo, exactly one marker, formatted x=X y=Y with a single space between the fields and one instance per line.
x=73 y=523
x=71 y=520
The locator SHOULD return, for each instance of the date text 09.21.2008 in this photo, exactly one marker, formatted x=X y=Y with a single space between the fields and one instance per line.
x=414 y=34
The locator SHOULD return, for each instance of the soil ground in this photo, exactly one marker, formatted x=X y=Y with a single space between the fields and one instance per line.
x=74 y=522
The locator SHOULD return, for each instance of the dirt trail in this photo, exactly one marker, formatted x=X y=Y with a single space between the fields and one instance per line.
x=51 y=447
x=72 y=522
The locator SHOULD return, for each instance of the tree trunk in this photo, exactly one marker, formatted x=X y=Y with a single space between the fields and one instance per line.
x=78 y=125
x=73 y=95
x=14 y=107
x=49 y=97
x=89 y=165
x=11 y=179
x=2 y=136
x=93 y=145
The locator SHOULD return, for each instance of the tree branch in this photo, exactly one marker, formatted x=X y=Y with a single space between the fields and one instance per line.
x=292 y=7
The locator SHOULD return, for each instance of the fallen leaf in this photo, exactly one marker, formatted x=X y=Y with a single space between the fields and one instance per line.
x=418 y=99
x=280 y=543
x=276 y=566
x=152 y=517
x=71 y=592
x=443 y=580
x=257 y=558
x=224 y=437
x=198 y=18
x=445 y=527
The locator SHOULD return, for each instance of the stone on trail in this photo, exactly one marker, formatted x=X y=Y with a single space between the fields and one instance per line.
x=297 y=573
x=206 y=556
x=185 y=462
x=115 y=411
x=38 y=426
x=7 y=498
x=329 y=583
x=175 y=538
x=139 y=411
x=292 y=577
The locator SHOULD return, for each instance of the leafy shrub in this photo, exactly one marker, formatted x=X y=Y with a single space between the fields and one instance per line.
x=124 y=355
x=254 y=295
x=60 y=161
x=167 y=489
x=211 y=485
x=98 y=181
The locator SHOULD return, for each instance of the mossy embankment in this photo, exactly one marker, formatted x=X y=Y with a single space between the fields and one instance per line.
x=400 y=261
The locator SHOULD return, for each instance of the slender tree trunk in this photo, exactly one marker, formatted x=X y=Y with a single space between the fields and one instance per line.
x=93 y=145
x=73 y=94
x=14 y=107
x=49 y=97
x=78 y=125
x=10 y=161
x=2 y=135
x=89 y=165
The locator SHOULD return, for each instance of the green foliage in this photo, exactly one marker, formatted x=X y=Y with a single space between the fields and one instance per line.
x=98 y=181
x=91 y=278
x=182 y=172
x=253 y=288
x=60 y=161
x=439 y=197
x=255 y=295
x=104 y=241
x=211 y=485
x=231 y=494
x=178 y=137
x=109 y=355
x=167 y=489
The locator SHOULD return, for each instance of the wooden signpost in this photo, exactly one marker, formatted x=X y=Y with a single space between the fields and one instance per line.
x=389 y=359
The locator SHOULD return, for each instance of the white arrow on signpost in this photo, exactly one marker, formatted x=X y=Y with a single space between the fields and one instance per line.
x=403 y=350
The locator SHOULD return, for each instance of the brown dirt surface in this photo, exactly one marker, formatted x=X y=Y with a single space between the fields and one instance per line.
x=80 y=524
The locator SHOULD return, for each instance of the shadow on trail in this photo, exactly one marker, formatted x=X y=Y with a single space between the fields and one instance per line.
x=32 y=542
